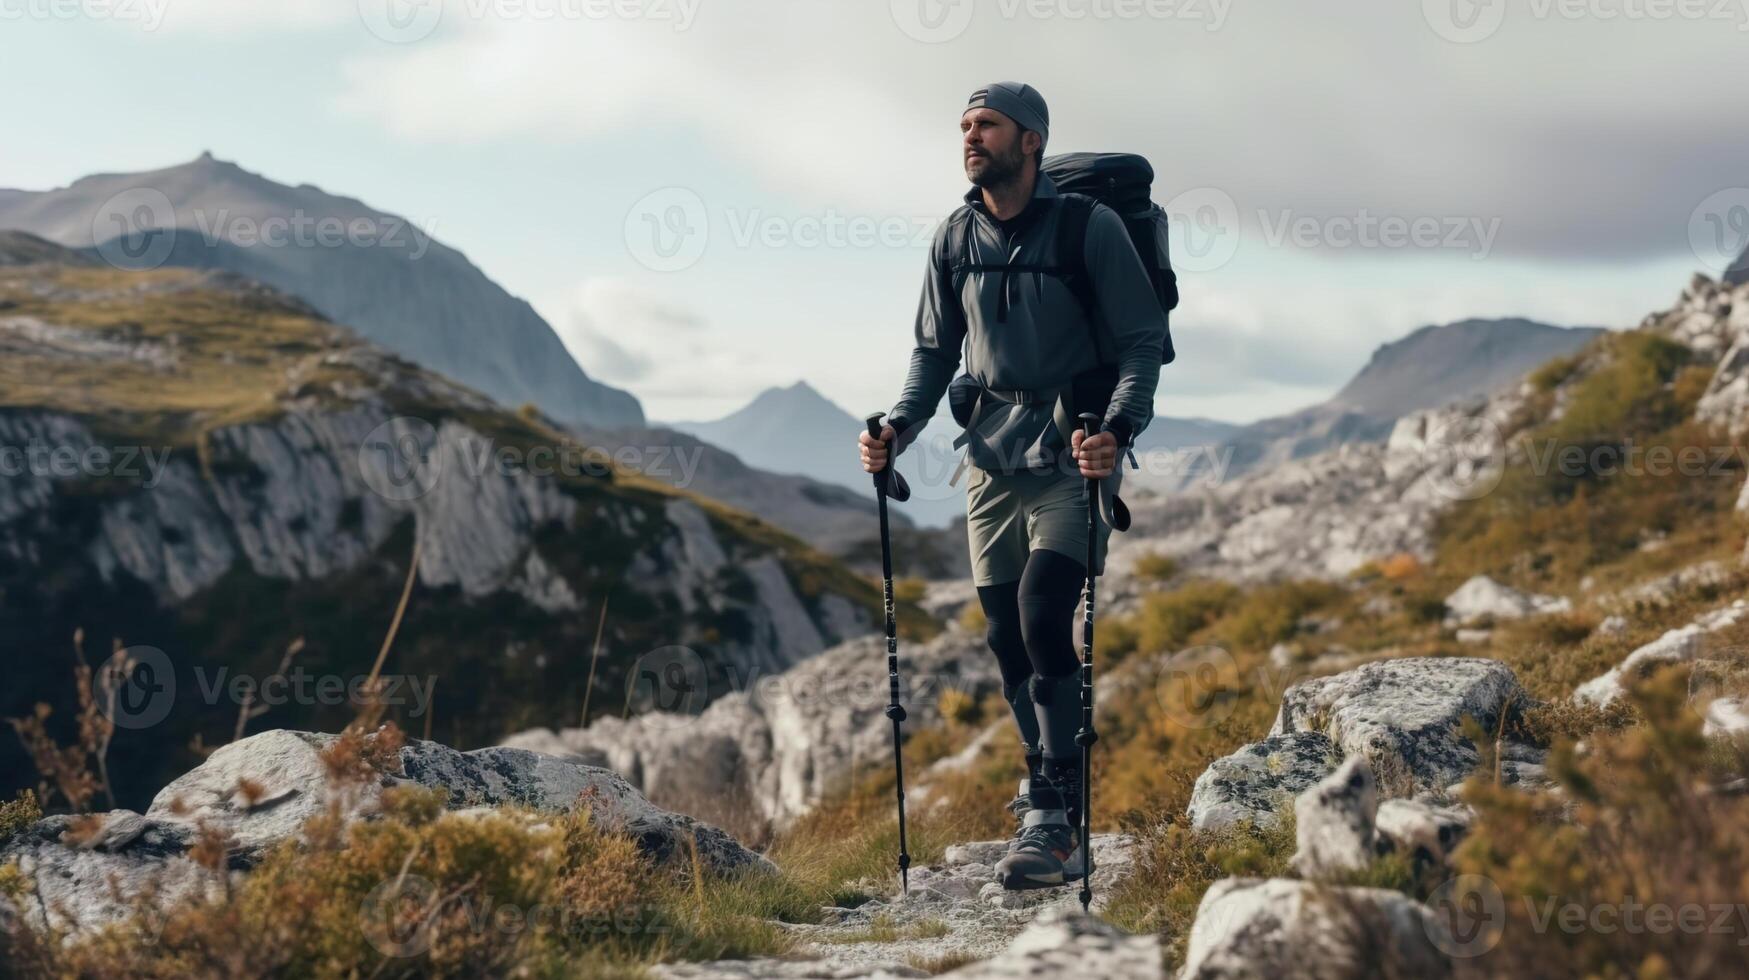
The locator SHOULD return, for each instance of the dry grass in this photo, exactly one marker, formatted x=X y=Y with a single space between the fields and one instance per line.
x=1637 y=821
x=426 y=893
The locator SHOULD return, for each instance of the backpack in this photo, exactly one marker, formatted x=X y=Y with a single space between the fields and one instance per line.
x=1122 y=182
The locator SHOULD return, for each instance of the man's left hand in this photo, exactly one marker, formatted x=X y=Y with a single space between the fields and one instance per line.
x=1097 y=456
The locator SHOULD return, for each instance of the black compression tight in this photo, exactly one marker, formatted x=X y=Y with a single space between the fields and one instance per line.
x=1031 y=631
x=1032 y=621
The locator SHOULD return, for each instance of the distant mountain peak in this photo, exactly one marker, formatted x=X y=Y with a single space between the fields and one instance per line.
x=793 y=398
x=1453 y=359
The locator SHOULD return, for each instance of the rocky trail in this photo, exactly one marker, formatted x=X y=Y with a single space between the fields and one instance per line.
x=956 y=912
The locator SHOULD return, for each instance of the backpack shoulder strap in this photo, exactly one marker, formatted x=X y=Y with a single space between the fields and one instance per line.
x=1077 y=214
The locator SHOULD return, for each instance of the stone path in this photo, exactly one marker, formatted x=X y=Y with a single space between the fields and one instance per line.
x=955 y=912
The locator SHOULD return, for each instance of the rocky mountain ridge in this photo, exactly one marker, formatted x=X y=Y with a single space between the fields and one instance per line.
x=212 y=470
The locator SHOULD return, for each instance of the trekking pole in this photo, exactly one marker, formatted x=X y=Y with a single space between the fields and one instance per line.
x=889 y=483
x=1087 y=736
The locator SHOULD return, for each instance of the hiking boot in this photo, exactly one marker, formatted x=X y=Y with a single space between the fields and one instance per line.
x=1020 y=806
x=1047 y=851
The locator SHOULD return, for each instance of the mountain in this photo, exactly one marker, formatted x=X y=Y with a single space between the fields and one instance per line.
x=790 y=430
x=834 y=518
x=1739 y=273
x=205 y=469
x=374 y=271
x=1432 y=367
x=1435 y=366
x=1176 y=433
x=798 y=430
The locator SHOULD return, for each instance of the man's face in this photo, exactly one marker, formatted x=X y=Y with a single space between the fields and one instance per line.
x=995 y=148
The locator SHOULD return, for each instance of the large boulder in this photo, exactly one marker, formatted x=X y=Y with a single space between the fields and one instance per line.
x=1252 y=927
x=1482 y=599
x=1679 y=645
x=258 y=792
x=1259 y=780
x=1405 y=716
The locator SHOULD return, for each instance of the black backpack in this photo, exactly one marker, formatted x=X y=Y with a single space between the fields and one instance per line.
x=1122 y=182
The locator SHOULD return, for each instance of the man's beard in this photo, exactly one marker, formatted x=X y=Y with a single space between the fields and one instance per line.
x=1000 y=169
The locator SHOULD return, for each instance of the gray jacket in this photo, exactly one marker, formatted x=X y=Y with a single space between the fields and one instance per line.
x=1026 y=332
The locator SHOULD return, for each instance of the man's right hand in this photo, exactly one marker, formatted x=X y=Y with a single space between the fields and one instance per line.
x=875 y=451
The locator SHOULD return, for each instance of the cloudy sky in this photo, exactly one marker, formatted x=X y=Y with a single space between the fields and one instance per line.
x=708 y=197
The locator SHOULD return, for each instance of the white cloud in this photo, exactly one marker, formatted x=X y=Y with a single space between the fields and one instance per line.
x=1318 y=109
x=670 y=357
x=229 y=17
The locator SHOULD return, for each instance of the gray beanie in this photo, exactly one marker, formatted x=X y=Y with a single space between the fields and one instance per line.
x=1019 y=102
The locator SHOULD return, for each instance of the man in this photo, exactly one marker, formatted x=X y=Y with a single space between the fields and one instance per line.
x=1033 y=363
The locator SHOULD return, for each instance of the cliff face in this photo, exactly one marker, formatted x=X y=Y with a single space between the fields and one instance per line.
x=201 y=466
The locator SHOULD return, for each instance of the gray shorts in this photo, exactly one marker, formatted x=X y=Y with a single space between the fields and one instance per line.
x=1008 y=516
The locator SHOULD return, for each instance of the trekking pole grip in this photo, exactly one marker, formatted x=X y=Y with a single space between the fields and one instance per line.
x=874 y=431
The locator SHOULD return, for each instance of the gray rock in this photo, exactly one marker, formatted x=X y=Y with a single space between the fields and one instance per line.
x=1482 y=599
x=1256 y=782
x=1726 y=400
x=783 y=742
x=1404 y=716
x=1063 y=943
x=1726 y=718
x=1675 y=646
x=1252 y=927
x=1661 y=590
x=90 y=877
x=517 y=777
x=1424 y=832
x=259 y=791
x=1333 y=822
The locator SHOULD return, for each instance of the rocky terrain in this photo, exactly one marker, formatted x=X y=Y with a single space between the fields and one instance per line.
x=1399 y=718
x=956 y=911
x=780 y=745
x=1428 y=369
x=261 y=792
x=210 y=469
